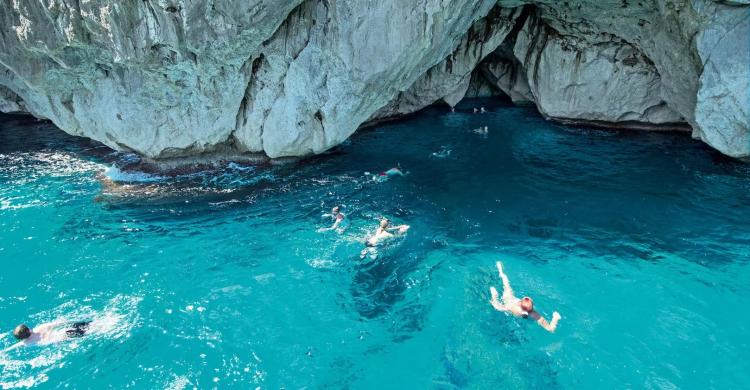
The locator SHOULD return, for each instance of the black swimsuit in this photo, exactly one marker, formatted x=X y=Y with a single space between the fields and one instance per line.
x=78 y=329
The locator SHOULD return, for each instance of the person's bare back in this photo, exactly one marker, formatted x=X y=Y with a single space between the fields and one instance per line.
x=47 y=333
x=523 y=307
x=383 y=232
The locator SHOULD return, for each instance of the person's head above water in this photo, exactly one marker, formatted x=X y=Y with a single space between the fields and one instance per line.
x=22 y=332
x=384 y=223
x=527 y=304
x=335 y=210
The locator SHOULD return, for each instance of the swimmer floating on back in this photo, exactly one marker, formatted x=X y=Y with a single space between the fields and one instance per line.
x=383 y=232
x=523 y=307
x=338 y=220
x=48 y=333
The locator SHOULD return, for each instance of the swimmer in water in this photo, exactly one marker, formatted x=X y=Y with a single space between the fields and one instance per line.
x=482 y=130
x=48 y=333
x=338 y=219
x=442 y=153
x=384 y=176
x=383 y=232
x=523 y=307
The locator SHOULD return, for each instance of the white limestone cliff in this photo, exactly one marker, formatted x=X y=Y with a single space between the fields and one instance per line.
x=181 y=78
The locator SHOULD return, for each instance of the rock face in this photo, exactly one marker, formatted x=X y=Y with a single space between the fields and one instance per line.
x=10 y=102
x=722 y=113
x=180 y=78
x=574 y=79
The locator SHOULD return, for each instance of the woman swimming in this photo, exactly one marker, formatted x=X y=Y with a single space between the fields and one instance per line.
x=383 y=232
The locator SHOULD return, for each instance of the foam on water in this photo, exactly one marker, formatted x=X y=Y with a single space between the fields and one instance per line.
x=117 y=175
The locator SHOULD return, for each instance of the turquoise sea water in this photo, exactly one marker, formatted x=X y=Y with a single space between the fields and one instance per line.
x=219 y=278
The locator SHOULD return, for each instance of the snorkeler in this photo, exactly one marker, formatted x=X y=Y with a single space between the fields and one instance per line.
x=383 y=232
x=523 y=307
x=48 y=333
x=384 y=176
x=338 y=219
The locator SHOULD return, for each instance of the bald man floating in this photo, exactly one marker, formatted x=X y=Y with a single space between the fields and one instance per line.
x=523 y=307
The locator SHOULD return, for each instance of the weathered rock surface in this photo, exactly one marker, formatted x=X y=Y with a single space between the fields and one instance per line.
x=574 y=79
x=722 y=113
x=10 y=102
x=504 y=72
x=175 y=78
x=450 y=78
x=331 y=67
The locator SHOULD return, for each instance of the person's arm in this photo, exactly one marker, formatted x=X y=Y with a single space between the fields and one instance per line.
x=14 y=346
x=335 y=225
x=383 y=232
x=397 y=228
x=507 y=290
x=548 y=326
x=495 y=301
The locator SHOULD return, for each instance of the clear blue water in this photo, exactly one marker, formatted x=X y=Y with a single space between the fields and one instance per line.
x=219 y=279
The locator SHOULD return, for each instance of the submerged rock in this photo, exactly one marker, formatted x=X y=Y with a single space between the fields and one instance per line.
x=175 y=79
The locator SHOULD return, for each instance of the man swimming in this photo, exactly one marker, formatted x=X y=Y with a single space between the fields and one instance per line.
x=384 y=176
x=523 y=307
x=383 y=232
x=338 y=219
x=47 y=333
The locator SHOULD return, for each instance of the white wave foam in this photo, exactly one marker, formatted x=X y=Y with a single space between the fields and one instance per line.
x=25 y=383
x=237 y=167
x=117 y=175
x=178 y=383
x=322 y=263
x=28 y=167
x=8 y=204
